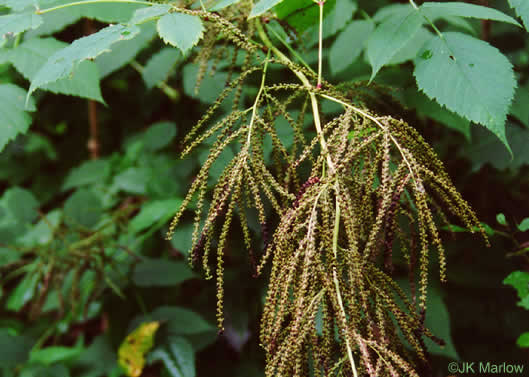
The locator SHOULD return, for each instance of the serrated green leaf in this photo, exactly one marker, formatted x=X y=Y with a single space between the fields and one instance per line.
x=123 y=52
x=83 y=208
x=39 y=370
x=159 y=135
x=98 y=359
x=519 y=280
x=393 y=10
x=448 y=9
x=427 y=108
x=486 y=148
x=54 y=354
x=42 y=232
x=524 y=225
x=522 y=10
x=469 y=77
x=60 y=18
x=112 y=12
x=133 y=180
x=391 y=36
x=338 y=18
x=153 y=212
x=263 y=6
x=500 y=218
x=14 y=119
x=347 y=46
x=177 y=356
x=54 y=22
x=150 y=13
x=303 y=14
x=160 y=273
x=409 y=50
x=461 y=23
x=524 y=302
x=89 y=172
x=15 y=349
x=523 y=340
x=183 y=238
x=30 y=56
x=62 y=63
x=18 y=5
x=159 y=66
x=21 y=205
x=19 y=22
x=24 y=291
x=520 y=105
x=210 y=87
x=219 y=5
x=180 y=30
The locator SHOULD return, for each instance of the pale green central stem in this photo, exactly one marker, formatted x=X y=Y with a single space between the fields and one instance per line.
x=330 y=164
x=254 y=107
x=336 y=281
x=306 y=83
x=320 y=43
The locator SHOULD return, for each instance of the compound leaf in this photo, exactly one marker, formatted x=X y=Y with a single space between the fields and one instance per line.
x=83 y=208
x=524 y=225
x=263 y=6
x=89 y=172
x=161 y=273
x=449 y=9
x=390 y=36
x=347 y=46
x=522 y=9
x=123 y=52
x=469 y=77
x=159 y=66
x=180 y=30
x=153 y=212
x=223 y=4
x=15 y=349
x=19 y=22
x=519 y=280
x=31 y=55
x=62 y=63
x=13 y=117
x=151 y=13
x=178 y=357
x=523 y=340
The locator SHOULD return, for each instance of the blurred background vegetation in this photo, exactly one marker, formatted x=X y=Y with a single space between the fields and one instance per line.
x=87 y=193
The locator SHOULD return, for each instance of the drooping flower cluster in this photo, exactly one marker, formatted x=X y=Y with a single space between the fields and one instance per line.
x=340 y=203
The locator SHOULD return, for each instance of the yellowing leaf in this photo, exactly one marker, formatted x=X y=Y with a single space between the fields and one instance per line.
x=131 y=353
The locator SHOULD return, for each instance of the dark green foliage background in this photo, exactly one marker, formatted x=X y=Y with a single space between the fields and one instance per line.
x=139 y=168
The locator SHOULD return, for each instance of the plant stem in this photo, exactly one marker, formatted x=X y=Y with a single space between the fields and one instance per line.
x=43 y=11
x=306 y=83
x=437 y=31
x=335 y=279
x=320 y=42
x=292 y=51
x=323 y=143
x=93 y=141
x=254 y=107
